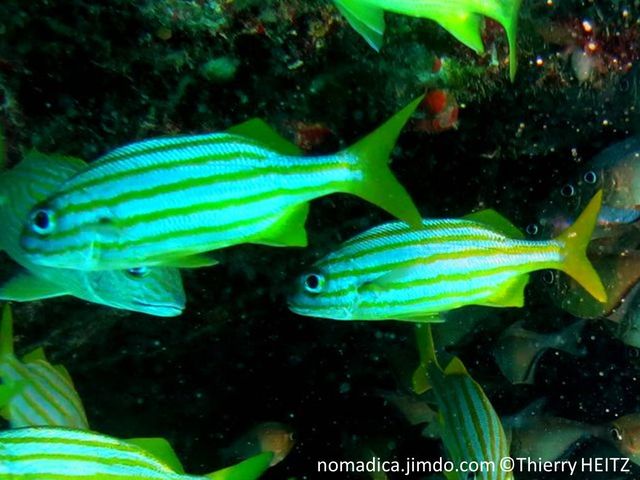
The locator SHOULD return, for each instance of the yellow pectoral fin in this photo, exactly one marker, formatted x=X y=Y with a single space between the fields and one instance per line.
x=191 y=261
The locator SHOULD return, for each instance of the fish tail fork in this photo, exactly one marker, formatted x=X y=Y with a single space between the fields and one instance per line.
x=574 y=241
x=379 y=185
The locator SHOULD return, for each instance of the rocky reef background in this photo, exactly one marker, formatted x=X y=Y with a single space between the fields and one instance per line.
x=81 y=77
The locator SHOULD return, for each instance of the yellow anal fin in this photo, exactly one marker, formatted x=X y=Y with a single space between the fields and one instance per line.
x=289 y=230
x=511 y=294
x=161 y=449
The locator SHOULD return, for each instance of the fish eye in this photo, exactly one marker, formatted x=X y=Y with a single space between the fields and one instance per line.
x=532 y=229
x=43 y=221
x=548 y=277
x=616 y=435
x=568 y=190
x=590 y=177
x=313 y=283
x=138 y=272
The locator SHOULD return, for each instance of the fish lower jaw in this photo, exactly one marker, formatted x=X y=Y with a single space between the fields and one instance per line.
x=159 y=309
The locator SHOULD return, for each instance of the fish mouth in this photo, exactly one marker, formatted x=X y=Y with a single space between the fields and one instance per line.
x=159 y=309
x=297 y=309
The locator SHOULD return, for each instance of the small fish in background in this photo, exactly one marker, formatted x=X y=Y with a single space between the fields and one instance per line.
x=518 y=350
x=416 y=409
x=625 y=321
x=168 y=201
x=273 y=437
x=33 y=392
x=539 y=435
x=624 y=434
x=441 y=112
x=463 y=19
x=615 y=171
x=393 y=272
x=154 y=291
x=469 y=426
x=619 y=273
x=63 y=453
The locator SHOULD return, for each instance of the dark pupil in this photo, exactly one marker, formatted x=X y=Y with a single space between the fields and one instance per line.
x=548 y=277
x=42 y=220
x=590 y=177
x=313 y=282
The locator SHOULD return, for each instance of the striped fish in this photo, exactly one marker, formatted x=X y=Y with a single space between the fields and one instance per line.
x=34 y=392
x=462 y=18
x=154 y=291
x=469 y=426
x=394 y=272
x=61 y=454
x=166 y=201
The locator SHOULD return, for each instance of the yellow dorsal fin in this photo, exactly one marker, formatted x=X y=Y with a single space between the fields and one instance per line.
x=35 y=355
x=456 y=367
x=259 y=130
x=493 y=219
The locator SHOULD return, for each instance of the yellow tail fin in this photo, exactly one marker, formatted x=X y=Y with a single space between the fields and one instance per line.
x=575 y=240
x=379 y=186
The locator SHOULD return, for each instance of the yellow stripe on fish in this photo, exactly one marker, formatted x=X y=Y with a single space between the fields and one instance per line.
x=163 y=201
x=462 y=18
x=62 y=453
x=469 y=426
x=393 y=272
x=34 y=392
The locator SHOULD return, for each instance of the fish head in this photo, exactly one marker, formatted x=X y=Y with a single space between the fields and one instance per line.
x=155 y=291
x=615 y=171
x=320 y=293
x=624 y=433
x=57 y=234
x=277 y=438
x=567 y=202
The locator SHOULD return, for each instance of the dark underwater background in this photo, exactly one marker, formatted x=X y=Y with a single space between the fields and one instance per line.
x=82 y=77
